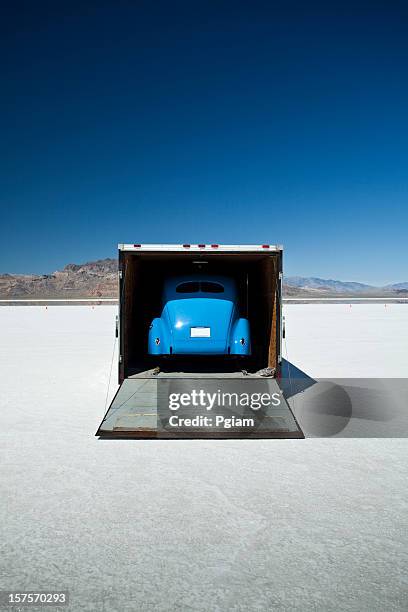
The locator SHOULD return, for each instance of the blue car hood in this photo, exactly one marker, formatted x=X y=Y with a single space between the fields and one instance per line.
x=181 y=315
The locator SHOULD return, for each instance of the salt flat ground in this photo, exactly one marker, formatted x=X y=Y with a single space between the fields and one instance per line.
x=315 y=524
x=344 y=341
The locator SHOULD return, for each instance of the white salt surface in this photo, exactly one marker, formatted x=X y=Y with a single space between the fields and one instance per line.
x=339 y=340
x=308 y=525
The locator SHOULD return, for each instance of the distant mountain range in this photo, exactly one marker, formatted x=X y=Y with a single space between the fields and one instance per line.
x=324 y=285
x=100 y=279
x=398 y=287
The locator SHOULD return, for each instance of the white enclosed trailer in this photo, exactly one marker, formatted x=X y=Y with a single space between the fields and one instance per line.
x=257 y=270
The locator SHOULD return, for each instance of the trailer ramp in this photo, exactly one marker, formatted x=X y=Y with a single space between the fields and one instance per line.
x=192 y=406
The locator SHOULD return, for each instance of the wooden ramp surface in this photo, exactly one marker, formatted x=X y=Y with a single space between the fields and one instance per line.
x=135 y=411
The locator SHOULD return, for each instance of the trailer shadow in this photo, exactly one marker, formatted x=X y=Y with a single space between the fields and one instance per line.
x=354 y=407
x=293 y=380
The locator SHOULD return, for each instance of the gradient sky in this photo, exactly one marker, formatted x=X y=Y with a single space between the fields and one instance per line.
x=253 y=122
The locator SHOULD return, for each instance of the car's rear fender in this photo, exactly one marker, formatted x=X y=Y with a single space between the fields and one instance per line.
x=159 y=341
x=240 y=338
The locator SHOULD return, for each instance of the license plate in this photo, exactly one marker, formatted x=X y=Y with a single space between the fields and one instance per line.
x=200 y=332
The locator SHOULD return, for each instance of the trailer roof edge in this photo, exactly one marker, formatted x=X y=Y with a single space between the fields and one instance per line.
x=248 y=248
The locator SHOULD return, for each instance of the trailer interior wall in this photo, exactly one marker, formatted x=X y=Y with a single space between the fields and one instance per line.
x=143 y=274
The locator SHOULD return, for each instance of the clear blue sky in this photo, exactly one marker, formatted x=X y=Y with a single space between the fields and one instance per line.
x=276 y=122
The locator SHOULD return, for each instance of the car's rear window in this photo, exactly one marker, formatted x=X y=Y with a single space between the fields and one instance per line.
x=204 y=286
x=209 y=287
x=191 y=287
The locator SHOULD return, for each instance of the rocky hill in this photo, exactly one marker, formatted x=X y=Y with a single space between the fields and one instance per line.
x=92 y=279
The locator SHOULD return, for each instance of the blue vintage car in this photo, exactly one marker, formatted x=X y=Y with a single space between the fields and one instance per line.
x=200 y=316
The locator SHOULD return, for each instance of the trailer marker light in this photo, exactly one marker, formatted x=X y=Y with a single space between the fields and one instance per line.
x=201 y=246
x=186 y=246
x=137 y=246
x=265 y=246
x=214 y=246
